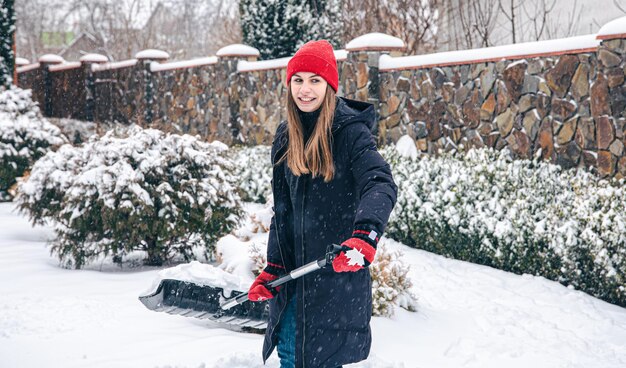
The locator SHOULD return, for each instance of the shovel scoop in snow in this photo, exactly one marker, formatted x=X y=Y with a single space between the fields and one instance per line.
x=191 y=299
x=202 y=301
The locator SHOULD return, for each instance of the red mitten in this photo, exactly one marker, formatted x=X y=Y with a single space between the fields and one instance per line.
x=361 y=254
x=258 y=291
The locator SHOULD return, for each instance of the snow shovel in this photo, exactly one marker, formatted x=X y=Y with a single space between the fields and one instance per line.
x=207 y=302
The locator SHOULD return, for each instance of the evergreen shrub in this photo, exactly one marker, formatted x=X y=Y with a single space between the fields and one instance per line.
x=253 y=168
x=523 y=216
x=390 y=283
x=134 y=190
x=25 y=136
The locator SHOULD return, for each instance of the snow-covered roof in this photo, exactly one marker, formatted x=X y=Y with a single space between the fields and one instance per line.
x=156 y=67
x=578 y=44
x=21 y=61
x=152 y=54
x=78 y=38
x=114 y=65
x=238 y=50
x=247 y=66
x=51 y=59
x=613 y=29
x=65 y=66
x=94 y=58
x=28 y=67
x=375 y=41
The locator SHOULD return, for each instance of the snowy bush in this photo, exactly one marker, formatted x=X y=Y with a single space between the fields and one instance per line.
x=253 y=167
x=390 y=283
x=16 y=101
x=259 y=259
x=521 y=216
x=77 y=131
x=142 y=190
x=25 y=136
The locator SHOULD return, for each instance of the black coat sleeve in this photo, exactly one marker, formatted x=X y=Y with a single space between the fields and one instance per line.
x=275 y=263
x=374 y=182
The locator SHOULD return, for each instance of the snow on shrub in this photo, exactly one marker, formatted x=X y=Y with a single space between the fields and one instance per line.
x=518 y=215
x=16 y=101
x=254 y=169
x=248 y=244
x=25 y=136
x=390 y=283
x=138 y=190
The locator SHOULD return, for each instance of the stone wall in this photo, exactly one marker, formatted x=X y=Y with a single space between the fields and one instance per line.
x=67 y=98
x=34 y=80
x=186 y=102
x=259 y=104
x=570 y=109
x=567 y=106
x=119 y=94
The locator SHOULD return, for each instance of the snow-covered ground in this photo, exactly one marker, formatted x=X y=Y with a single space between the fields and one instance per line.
x=468 y=316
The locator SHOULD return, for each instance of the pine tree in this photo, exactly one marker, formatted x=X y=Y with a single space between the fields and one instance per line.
x=278 y=27
x=7 y=30
x=327 y=23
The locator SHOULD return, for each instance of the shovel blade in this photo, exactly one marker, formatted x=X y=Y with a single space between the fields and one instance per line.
x=203 y=302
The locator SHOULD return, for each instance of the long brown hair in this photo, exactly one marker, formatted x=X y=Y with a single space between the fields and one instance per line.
x=316 y=157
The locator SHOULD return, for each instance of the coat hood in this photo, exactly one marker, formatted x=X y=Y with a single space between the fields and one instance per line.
x=349 y=111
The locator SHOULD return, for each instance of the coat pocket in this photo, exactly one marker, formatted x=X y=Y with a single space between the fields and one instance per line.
x=338 y=301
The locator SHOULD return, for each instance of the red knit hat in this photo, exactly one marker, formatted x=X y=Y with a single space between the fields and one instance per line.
x=315 y=57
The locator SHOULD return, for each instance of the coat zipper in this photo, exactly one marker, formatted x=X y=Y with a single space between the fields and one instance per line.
x=304 y=261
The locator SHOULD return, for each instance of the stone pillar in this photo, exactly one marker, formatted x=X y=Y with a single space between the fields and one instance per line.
x=90 y=86
x=608 y=99
x=45 y=61
x=228 y=88
x=146 y=57
x=359 y=75
x=19 y=62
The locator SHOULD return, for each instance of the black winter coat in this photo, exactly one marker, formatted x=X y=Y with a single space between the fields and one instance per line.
x=333 y=309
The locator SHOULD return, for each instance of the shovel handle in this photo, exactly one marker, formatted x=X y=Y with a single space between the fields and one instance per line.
x=331 y=252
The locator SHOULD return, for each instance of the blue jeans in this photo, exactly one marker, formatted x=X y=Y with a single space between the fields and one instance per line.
x=287 y=336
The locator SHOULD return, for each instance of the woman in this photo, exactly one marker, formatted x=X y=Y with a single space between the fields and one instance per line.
x=330 y=185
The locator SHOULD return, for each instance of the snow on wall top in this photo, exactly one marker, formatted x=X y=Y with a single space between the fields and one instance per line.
x=51 y=59
x=341 y=55
x=152 y=54
x=65 y=66
x=21 y=61
x=29 y=67
x=93 y=58
x=375 y=41
x=114 y=65
x=613 y=29
x=247 y=66
x=156 y=67
x=238 y=50
x=587 y=43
